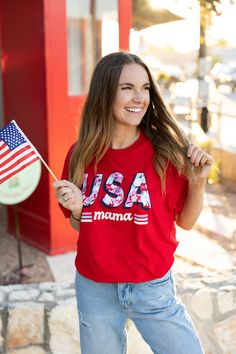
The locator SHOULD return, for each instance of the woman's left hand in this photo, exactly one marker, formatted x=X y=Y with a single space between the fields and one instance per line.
x=200 y=158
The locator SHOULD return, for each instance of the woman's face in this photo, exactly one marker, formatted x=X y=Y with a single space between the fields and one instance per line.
x=132 y=97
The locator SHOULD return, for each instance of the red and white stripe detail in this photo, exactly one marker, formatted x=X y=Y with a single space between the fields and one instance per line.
x=13 y=161
x=87 y=217
x=141 y=219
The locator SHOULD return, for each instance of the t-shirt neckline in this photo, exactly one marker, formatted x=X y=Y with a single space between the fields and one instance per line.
x=130 y=147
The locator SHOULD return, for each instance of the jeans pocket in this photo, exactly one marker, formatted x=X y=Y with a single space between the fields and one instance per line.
x=159 y=292
x=160 y=281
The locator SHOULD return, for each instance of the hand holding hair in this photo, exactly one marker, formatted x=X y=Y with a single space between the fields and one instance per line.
x=201 y=159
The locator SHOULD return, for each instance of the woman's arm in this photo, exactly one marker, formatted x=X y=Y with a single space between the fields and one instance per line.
x=70 y=197
x=194 y=200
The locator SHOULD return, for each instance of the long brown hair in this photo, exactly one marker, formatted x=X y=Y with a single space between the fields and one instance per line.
x=95 y=136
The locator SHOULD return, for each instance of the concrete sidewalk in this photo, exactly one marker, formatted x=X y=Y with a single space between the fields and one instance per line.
x=210 y=244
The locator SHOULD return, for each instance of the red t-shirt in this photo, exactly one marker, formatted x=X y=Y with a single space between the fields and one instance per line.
x=127 y=229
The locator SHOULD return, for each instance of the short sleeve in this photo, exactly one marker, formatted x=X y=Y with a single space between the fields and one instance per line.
x=176 y=189
x=65 y=175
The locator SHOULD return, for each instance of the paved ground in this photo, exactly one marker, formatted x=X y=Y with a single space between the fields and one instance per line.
x=210 y=245
x=36 y=266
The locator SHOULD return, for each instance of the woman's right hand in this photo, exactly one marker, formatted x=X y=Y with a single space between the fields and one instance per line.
x=69 y=196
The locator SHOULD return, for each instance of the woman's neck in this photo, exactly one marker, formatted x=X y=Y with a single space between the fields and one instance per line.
x=123 y=138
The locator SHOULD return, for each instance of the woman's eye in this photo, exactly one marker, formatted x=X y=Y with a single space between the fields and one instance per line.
x=126 y=88
x=147 y=88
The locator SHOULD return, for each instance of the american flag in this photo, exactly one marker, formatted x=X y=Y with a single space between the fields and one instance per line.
x=16 y=151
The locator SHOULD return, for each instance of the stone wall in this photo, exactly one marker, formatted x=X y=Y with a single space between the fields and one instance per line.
x=42 y=318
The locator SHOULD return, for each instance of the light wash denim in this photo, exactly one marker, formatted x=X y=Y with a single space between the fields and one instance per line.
x=162 y=321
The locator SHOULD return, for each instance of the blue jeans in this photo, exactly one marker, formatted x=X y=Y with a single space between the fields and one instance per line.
x=162 y=321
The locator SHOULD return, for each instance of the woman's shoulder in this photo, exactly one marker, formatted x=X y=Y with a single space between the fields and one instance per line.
x=68 y=157
x=70 y=151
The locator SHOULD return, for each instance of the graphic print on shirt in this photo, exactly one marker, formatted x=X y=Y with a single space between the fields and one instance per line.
x=87 y=201
x=115 y=197
x=116 y=193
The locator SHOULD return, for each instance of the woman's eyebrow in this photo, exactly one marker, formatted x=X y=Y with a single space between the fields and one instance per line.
x=129 y=84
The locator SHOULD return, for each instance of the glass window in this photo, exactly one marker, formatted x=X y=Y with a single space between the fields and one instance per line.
x=92 y=32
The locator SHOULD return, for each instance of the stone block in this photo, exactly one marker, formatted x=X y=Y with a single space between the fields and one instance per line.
x=70 y=301
x=24 y=295
x=30 y=350
x=25 y=325
x=202 y=303
x=46 y=297
x=9 y=288
x=226 y=299
x=65 y=293
x=1 y=297
x=226 y=334
x=50 y=286
x=64 y=329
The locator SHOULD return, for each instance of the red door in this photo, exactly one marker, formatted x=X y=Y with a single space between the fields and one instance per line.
x=44 y=88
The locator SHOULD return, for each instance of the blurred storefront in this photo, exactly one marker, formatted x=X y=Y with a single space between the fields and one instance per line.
x=48 y=51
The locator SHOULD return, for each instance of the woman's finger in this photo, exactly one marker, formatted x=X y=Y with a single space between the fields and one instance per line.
x=193 y=152
x=199 y=156
x=63 y=183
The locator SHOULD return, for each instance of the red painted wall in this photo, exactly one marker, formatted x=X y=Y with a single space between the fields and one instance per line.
x=61 y=120
x=125 y=14
x=24 y=99
x=34 y=51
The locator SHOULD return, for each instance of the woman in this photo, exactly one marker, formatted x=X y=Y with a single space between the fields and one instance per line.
x=129 y=178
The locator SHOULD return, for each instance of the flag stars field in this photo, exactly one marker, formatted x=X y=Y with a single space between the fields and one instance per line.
x=11 y=136
x=16 y=151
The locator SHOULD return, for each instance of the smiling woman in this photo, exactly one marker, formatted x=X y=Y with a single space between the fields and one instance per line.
x=129 y=178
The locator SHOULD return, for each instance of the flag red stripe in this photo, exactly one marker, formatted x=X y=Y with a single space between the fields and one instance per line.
x=3 y=147
x=14 y=155
x=31 y=153
x=17 y=171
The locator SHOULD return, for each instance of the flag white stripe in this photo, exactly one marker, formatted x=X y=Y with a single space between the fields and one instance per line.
x=141 y=223
x=2 y=151
x=1 y=143
x=86 y=217
x=11 y=152
x=19 y=129
x=140 y=219
x=18 y=166
x=86 y=220
x=18 y=157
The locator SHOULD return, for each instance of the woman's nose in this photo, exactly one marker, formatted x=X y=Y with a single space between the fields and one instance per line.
x=138 y=97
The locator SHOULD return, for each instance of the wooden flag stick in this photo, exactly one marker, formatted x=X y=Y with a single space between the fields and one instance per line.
x=35 y=150
x=47 y=167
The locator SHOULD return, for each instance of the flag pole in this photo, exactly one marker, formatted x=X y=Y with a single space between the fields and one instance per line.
x=18 y=238
x=47 y=167
x=35 y=150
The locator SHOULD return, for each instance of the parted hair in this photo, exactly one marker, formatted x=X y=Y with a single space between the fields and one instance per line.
x=97 y=124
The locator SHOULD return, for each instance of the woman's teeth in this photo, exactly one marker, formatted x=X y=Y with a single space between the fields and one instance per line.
x=135 y=110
